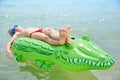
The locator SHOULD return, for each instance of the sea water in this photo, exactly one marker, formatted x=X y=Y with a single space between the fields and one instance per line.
x=99 y=19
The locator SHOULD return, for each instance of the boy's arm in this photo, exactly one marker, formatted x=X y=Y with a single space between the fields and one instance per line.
x=9 y=52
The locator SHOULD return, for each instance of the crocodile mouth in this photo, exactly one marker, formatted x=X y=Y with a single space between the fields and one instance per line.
x=101 y=62
x=89 y=62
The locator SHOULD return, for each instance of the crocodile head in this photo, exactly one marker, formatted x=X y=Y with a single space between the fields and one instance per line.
x=86 y=55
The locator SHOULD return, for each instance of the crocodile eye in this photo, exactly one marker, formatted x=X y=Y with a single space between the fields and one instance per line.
x=72 y=38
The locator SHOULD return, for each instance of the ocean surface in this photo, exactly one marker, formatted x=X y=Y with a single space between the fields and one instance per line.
x=98 y=19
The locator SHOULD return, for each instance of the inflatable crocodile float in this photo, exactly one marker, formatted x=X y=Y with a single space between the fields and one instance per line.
x=81 y=55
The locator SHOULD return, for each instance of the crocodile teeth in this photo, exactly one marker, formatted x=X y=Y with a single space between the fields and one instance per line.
x=80 y=60
x=105 y=64
x=101 y=64
x=71 y=60
x=98 y=64
x=83 y=60
x=75 y=60
x=89 y=62
x=108 y=63
x=86 y=61
x=93 y=63
x=111 y=61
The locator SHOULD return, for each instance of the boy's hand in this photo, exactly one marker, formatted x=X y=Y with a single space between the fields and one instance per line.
x=9 y=52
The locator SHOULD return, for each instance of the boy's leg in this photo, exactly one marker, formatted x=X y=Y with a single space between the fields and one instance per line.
x=51 y=33
x=44 y=37
x=61 y=36
x=55 y=35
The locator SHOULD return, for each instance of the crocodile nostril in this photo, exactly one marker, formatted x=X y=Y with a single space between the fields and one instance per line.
x=107 y=55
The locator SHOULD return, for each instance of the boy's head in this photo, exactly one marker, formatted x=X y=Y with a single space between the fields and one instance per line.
x=15 y=29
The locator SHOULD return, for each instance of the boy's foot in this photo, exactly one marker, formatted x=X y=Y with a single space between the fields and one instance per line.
x=63 y=35
x=68 y=40
x=68 y=29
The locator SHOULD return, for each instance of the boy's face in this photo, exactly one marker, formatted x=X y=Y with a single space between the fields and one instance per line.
x=19 y=29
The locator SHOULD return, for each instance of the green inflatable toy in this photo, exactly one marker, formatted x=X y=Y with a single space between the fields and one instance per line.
x=81 y=55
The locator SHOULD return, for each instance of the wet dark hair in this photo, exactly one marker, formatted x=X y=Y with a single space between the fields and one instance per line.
x=10 y=33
